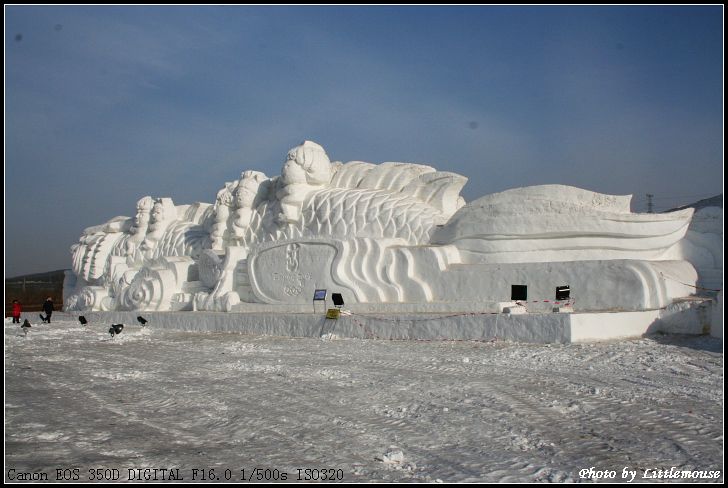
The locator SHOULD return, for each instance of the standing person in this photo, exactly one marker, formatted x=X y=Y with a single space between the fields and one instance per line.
x=17 y=309
x=48 y=309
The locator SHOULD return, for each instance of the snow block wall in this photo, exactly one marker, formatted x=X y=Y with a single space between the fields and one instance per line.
x=394 y=234
x=703 y=246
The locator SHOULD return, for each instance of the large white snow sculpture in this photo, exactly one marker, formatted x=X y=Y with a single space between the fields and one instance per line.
x=385 y=235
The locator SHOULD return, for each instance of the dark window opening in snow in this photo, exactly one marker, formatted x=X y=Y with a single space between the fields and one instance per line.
x=562 y=292
x=519 y=292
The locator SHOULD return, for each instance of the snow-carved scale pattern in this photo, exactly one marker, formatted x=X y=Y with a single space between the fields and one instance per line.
x=346 y=213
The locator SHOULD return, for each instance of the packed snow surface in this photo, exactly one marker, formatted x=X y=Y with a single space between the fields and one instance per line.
x=151 y=403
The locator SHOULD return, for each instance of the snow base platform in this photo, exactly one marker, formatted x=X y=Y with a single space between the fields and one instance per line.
x=684 y=317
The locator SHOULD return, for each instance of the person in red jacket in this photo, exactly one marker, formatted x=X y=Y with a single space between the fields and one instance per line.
x=17 y=309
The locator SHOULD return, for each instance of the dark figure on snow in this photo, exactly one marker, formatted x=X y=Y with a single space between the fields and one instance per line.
x=17 y=309
x=48 y=309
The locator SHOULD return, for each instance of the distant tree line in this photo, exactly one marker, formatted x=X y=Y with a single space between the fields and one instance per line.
x=32 y=290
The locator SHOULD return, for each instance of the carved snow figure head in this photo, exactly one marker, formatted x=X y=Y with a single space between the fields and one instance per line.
x=306 y=168
x=224 y=196
x=248 y=195
x=162 y=214
x=307 y=163
x=140 y=226
x=223 y=204
x=141 y=220
x=247 y=190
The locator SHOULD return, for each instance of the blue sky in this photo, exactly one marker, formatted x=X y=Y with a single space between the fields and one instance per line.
x=107 y=104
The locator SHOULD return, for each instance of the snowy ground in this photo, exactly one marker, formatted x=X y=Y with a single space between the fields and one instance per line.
x=360 y=410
